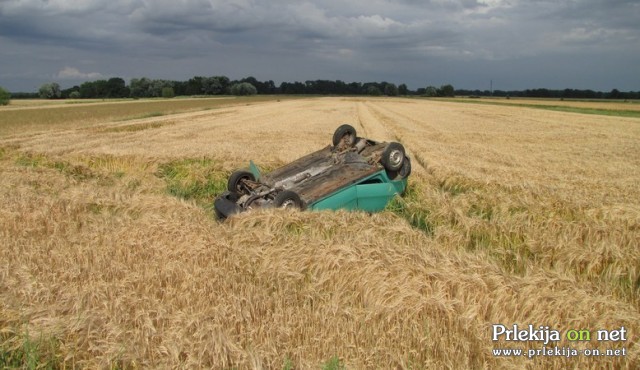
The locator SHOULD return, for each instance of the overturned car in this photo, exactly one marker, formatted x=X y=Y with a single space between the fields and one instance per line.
x=353 y=173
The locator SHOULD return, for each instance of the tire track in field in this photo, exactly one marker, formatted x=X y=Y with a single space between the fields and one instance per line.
x=372 y=127
x=183 y=118
x=412 y=129
x=197 y=128
x=386 y=127
x=421 y=131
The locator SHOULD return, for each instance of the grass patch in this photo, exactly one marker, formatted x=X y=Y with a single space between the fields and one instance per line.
x=288 y=364
x=294 y=228
x=30 y=353
x=77 y=172
x=454 y=186
x=146 y=115
x=30 y=160
x=559 y=108
x=479 y=240
x=333 y=363
x=200 y=179
x=484 y=212
x=138 y=127
x=409 y=208
x=598 y=111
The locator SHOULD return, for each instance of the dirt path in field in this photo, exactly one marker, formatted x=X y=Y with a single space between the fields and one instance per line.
x=385 y=128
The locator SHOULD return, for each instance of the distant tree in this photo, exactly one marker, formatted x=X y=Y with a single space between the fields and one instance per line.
x=168 y=92
x=431 y=91
x=224 y=83
x=24 y=95
x=147 y=88
x=538 y=93
x=75 y=95
x=615 y=94
x=292 y=88
x=103 y=89
x=267 y=87
x=390 y=90
x=446 y=90
x=157 y=86
x=5 y=97
x=50 y=91
x=271 y=87
x=243 y=88
x=180 y=88
x=139 y=87
x=216 y=85
x=374 y=91
x=116 y=88
x=67 y=92
x=194 y=86
x=354 y=88
x=403 y=89
x=339 y=87
x=88 y=90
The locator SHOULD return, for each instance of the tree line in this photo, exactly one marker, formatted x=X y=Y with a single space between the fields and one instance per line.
x=221 y=85
x=557 y=94
x=218 y=85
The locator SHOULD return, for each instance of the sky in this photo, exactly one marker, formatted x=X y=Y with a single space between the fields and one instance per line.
x=513 y=44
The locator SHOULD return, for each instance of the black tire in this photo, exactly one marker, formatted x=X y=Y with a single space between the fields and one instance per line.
x=234 y=184
x=341 y=132
x=405 y=170
x=288 y=199
x=393 y=157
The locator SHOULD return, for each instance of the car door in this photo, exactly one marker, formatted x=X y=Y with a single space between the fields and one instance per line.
x=374 y=195
x=342 y=199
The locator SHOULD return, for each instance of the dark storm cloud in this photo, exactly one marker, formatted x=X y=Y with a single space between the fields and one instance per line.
x=415 y=42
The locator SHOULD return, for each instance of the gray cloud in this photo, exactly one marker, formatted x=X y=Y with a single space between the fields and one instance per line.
x=71 y=73
x=415 y=42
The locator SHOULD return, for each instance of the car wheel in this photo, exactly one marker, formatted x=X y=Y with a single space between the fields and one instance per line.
x=344 y=132
x=235 y=185
x=288 y=199
x=393 y=157
x=405 y=170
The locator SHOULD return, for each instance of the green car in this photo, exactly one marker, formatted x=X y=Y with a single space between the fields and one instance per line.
x=354 y=173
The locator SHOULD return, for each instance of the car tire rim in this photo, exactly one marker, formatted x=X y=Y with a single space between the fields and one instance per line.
x=395 y=158
x=239 y=185
x=289 y=203
x=348 y=139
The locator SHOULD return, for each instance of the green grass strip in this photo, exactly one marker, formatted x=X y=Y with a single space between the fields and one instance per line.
x=559 y=108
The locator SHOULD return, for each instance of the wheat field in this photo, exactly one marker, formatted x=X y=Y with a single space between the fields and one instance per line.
x=111 y=258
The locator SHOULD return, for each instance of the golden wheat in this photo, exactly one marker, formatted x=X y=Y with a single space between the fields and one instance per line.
x=514 y=216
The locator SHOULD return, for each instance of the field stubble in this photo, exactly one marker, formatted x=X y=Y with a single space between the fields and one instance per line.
x=513 y=216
